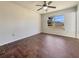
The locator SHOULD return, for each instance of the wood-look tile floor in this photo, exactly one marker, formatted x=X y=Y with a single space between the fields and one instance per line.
x=42 y=46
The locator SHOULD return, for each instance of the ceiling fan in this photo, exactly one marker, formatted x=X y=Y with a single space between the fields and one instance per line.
x=45 y=6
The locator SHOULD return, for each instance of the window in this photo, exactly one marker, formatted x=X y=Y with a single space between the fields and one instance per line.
x=56 y=21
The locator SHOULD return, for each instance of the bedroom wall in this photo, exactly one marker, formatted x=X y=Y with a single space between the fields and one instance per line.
x=78 y=21
x=17 y=22
x=69 y=22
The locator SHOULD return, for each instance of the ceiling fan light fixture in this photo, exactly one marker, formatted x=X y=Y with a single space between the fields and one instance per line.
x=45 y=7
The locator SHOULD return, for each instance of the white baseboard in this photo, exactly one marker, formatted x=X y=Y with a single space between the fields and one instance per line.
x=18 y=38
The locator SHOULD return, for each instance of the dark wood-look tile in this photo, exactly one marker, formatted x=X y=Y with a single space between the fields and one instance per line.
x=42 y=46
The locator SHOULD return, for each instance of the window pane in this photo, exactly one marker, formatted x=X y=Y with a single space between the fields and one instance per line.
x=56 y=21
x=59 y=21
x=59 y=18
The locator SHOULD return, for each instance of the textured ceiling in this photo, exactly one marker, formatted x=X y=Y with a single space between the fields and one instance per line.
x=59 y=5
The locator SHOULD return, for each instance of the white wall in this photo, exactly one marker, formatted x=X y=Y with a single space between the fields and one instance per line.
x=17 y=22
x=78 y=21
x=69 y=24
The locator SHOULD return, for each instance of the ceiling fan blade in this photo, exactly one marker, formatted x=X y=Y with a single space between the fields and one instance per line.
x=38 y=5
x=49 y=2
x=51 y=7
x=39 y=9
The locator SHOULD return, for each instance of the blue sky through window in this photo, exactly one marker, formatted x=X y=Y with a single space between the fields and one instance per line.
x=59 y=18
